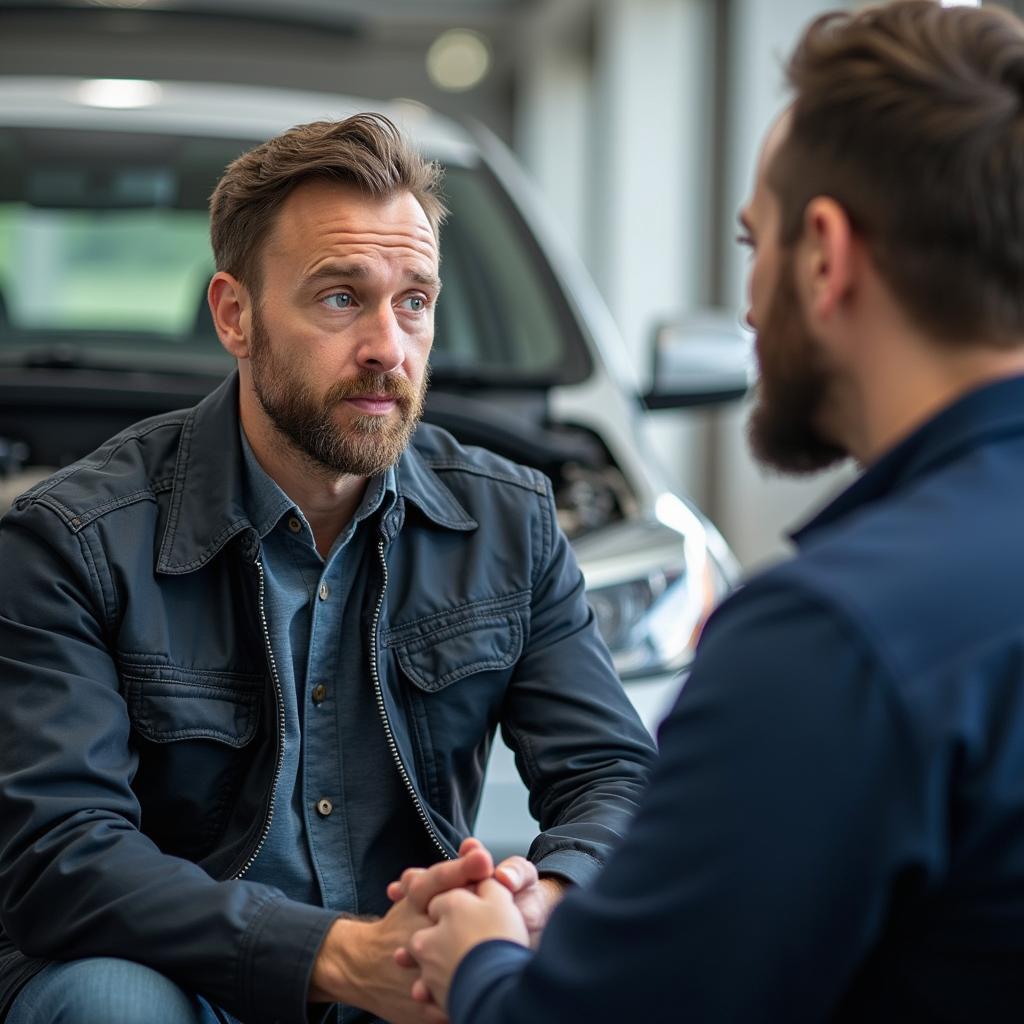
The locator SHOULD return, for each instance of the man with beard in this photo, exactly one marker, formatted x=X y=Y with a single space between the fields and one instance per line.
x=835 y=828
x=253 y=654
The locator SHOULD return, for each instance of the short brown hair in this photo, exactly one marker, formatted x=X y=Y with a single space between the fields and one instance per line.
x=365 y=150
x=911 y=116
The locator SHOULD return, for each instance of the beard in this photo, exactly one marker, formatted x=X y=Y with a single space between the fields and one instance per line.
x=793 y=386
x=366 y=445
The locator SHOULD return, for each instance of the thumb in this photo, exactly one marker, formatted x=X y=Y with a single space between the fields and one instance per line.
x=516 y=873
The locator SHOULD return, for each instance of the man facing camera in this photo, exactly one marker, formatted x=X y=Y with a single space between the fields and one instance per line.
x=835 y=829
x=253 y=654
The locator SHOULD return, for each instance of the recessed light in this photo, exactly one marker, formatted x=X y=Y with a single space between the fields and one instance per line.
x=458 y=60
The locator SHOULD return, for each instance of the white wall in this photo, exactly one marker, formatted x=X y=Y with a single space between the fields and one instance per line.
x=613 y=117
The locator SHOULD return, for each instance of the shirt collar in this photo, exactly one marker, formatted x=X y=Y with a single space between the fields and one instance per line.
x=266 y=503
x=984 y=415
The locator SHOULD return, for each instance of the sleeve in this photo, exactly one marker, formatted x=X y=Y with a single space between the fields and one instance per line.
x=580 y=747
x=787 y=800
x=77 y=876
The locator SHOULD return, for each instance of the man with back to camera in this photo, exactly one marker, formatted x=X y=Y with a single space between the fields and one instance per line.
x=252 y=654
x=835 y=827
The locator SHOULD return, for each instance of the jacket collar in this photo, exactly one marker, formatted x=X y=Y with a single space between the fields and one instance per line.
x=420 y=485
x=206 y=508
x=980 y=417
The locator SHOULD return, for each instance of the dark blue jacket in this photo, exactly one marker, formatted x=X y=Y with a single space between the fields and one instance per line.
x=835 y=829
x=140 y=718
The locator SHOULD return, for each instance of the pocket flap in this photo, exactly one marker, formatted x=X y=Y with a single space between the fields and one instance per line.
x=194 y=705
x=484 y=645
x=438 y=650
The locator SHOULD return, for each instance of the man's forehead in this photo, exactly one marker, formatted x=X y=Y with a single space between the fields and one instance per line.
x=773 y=140
x=317 y=210
x=770 y=146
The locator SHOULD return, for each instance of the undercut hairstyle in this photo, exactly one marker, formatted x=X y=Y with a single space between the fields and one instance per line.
x=366 y=151
x=911 y=116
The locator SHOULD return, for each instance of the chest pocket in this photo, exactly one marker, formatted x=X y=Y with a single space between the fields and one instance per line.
x=194 y=733
x=168 y=703
x=440 y=649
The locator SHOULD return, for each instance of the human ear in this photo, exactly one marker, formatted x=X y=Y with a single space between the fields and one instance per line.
x=229 y=305
x=825 y=258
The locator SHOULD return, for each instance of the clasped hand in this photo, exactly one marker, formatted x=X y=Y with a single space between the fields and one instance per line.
x=469 y=901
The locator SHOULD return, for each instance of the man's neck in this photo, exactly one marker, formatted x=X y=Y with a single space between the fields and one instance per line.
x=328 y=501
x=917 y=385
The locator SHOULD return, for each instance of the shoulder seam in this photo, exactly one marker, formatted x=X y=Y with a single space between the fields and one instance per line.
x=534 y=483
x=43 y=495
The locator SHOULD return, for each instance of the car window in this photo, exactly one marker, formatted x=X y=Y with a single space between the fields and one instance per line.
x=105 y=255
x=126 y=270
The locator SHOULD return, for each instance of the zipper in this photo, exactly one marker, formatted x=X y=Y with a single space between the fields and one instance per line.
x=280 y=726
x=383 y=712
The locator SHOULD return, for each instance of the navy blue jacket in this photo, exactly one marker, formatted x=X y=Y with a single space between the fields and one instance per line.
x=140 y=712
x=835 y=828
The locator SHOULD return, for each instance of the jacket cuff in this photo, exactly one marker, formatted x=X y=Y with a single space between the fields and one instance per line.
x=570 y=865
x=481 y=974
x=278 y=959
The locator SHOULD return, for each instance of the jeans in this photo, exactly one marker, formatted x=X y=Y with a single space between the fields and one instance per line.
x=104 y=990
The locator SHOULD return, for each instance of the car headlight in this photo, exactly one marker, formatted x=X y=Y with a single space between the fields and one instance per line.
x=652 y=585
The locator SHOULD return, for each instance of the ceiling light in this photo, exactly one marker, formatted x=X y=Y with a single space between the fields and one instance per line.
x=118 y=93
x=458 y=60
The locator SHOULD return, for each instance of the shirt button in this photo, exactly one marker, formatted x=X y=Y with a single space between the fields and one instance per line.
x=324 y=592
x=319 y=693
x=294 y=524
x=324 y=807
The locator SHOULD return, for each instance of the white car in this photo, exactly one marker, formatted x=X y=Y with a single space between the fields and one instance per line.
x=104 y=260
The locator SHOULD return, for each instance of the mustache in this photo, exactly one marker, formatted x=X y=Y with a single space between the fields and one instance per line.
x=369 y=383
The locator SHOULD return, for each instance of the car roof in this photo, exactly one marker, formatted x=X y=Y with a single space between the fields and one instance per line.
x=221 y=111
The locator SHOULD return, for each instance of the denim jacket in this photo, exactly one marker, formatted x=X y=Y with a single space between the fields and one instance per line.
x=140 y=713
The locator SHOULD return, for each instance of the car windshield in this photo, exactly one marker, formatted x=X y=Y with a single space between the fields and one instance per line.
x=105 y=258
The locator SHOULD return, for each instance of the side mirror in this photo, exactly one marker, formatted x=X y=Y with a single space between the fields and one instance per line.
x=706 y=358
x=13 y=455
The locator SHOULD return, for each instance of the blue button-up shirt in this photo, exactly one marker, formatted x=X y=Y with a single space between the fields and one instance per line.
x=339 y=798
x=307 y=852
x=338 y=801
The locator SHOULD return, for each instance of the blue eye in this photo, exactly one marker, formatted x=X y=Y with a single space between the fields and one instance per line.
x=415 y=303
x=344 y=300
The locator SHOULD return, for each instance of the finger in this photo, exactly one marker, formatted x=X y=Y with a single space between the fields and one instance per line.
x=453 y=874
x=420 y=992
x=516 y=873
x=408 y=876
x=446 y=903
x=469 y=844
x=493 y=890
x=404 y=958
x=433 y=1014
x=400 y=890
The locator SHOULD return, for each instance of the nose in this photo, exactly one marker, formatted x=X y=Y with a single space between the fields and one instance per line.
x=381 y=347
